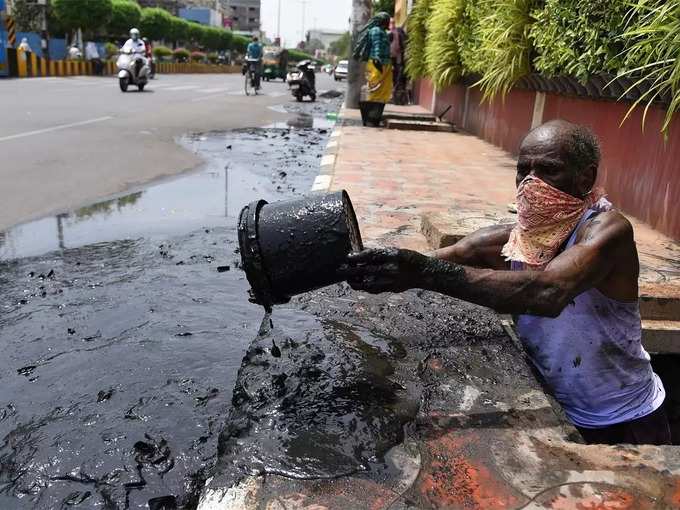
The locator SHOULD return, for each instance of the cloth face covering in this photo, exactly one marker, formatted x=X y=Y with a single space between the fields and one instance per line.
x=546 y=219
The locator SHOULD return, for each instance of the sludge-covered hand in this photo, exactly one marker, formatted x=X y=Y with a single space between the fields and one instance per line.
x=385 y=270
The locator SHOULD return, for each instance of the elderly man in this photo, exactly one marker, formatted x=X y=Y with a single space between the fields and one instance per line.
x=568 y=270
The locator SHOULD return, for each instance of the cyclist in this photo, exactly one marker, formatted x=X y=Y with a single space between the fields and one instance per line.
x=254 y=55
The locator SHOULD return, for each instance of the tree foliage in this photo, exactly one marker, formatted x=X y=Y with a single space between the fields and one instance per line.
x=125 y=14
x=88 y=15
x=341 y=47
x=652 y=47
x=416 y=27
x=503 y=40
x=156 y=23
x=313 y=45
x=27 y=15
x=579 y=37
x=442 y=55
x=505 y=48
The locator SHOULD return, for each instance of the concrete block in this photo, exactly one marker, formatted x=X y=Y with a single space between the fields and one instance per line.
x=661 y=336
x=446 y=229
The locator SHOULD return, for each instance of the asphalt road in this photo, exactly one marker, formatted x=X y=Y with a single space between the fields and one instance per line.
x=66 y=142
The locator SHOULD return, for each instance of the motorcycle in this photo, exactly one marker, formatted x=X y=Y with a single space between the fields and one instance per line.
x=303 y=81
x=133 y=69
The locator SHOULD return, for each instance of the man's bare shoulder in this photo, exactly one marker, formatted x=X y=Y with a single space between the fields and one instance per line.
x=606 y=229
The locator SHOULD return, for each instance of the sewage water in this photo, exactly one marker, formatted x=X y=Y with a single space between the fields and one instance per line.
x=124 y=325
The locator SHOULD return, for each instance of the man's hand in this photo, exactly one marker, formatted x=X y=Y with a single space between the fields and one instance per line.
x=385 y=270
x=378 y=65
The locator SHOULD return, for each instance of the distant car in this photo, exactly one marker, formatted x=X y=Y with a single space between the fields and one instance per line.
x=341 y=70
x=328 y=69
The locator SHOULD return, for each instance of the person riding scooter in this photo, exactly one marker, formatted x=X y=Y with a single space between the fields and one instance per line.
x=133 y=66
x=303 y=82
x=135 y=45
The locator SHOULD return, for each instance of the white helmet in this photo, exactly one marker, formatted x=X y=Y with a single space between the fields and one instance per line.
x=134 y=34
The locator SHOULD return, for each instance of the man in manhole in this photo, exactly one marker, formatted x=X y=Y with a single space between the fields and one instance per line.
x=568 y=271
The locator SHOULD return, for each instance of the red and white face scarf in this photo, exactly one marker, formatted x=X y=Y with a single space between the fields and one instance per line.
x=546 y=219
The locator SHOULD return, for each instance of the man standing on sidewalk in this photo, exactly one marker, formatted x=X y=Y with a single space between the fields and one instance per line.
x=568 y=270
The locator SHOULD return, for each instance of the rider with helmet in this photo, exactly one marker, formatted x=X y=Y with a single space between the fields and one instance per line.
x=135 y=45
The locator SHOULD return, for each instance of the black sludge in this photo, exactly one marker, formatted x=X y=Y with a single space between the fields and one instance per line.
x=295 y=246
x=330 y=405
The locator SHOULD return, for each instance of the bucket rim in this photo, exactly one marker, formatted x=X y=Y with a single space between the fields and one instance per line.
x=353 y=223
x=251 y=253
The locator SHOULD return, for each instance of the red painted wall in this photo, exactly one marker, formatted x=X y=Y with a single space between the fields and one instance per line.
x=501 y=122
x=455 y=97
x=640 y=171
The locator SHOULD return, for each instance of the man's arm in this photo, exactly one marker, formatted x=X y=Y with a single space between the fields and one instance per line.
x=480 y=249
x=603 y=245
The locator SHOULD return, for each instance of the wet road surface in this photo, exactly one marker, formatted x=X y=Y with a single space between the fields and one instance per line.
x=72 y=141
x=123 y=326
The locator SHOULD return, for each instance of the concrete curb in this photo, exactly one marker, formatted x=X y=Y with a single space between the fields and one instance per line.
x=324 y=180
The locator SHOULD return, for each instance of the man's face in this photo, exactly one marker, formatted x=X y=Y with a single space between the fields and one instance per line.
x=543 y=155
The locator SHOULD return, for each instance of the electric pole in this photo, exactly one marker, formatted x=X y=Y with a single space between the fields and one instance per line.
x=361 y=14
x=304 y=12
x=278 y=24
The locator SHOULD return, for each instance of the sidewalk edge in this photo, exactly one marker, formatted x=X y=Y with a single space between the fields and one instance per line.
x=324 y=180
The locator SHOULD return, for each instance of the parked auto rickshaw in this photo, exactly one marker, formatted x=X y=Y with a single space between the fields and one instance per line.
x=275 y=63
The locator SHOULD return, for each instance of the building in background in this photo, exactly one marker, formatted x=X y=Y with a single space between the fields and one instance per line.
x=202 y=15
x=327 y=37
x=174 y=6
x=242 y=16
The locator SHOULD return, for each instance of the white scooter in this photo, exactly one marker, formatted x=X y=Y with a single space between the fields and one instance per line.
x=133 y=69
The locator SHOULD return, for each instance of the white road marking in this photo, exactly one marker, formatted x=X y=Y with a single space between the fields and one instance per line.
x=322 y=183
x=183 y=87
x=211 y=96
x=54 y=128
x=328 y=160
x=212 y=91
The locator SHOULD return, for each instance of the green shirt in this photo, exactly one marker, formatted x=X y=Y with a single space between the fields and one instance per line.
x=380 y=45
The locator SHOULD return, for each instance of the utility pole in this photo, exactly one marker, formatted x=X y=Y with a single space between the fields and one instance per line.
x=361 y=14
x=278 y=23
x=304 y=12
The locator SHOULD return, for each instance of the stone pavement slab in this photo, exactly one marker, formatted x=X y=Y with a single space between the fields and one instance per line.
x=424 y=190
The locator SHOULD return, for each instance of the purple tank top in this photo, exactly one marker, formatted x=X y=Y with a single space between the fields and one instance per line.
x=592 y=358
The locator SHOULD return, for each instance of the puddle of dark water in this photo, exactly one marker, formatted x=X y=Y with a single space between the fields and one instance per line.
x=303 y=120
x=212 y=197
x=123 y=327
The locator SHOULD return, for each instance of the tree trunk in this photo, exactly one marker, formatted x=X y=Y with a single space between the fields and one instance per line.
x=361 y=13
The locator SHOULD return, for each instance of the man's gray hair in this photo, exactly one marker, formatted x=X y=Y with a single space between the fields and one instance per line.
x=583 y=147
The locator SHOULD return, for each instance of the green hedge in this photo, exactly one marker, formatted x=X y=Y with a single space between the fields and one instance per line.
x=416 y=27
x=579 y=37
x=442 y=52
x=298 y=56
x=503 y=40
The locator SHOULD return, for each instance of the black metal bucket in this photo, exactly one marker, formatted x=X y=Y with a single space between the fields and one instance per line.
x=296 y=246
x=371 y=112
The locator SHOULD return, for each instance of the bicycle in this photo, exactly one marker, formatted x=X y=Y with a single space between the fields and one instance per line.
x=252 y=84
